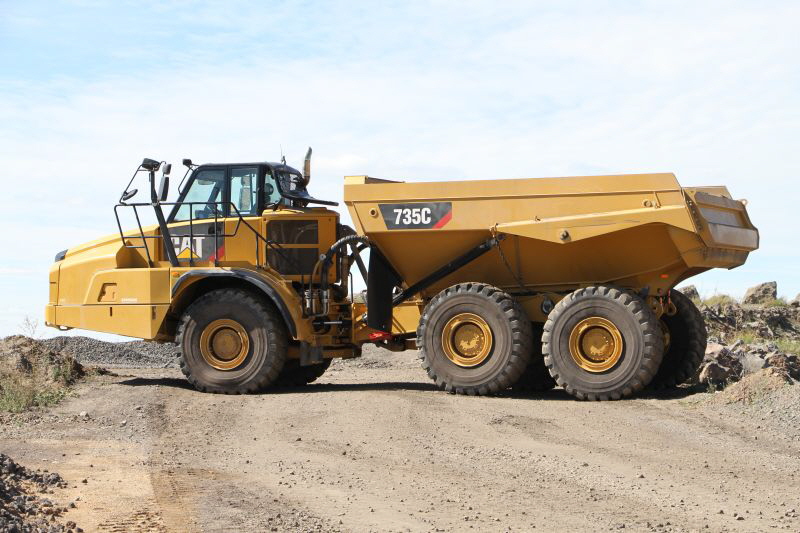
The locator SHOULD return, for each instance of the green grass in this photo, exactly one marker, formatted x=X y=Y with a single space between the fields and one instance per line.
x=748 y=336
x=777 y=302
x=784 y=345
x=17 y=395
x=46 y=385
x=66 y=371
x=788 y=345
x=718 y=299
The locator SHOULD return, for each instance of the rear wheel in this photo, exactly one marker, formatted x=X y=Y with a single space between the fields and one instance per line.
x=294 y=375
x=685 y=339
x=231 y=342
x=536 y=378
x=474 y=339
x=601 y=343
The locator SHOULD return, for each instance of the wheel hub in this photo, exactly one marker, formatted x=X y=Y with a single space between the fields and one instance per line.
x=595 y=344
x=467 y=340
x=224 y=344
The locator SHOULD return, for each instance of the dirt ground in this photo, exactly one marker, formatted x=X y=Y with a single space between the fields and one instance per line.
x=375 y=447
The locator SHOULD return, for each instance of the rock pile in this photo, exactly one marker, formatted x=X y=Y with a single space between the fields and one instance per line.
x=761 y=314
x=761 y=293
x=28 y=356
x=32 y=374
x=765 y=322
x=21 y=507
x=35 y=372
x=746 y=338
x=727 y=364
x=134 y=354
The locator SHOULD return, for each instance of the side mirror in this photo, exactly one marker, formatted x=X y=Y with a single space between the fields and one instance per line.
x=187 y=163
x=127 y=195
x=167 y=169
x=163 y=189
x=150 y=165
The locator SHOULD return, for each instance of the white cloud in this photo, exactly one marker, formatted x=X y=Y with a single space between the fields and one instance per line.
x=441 y=91
x=19 y=271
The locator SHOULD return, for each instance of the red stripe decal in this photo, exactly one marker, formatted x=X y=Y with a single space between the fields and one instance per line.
x=219 y=255
x=444 y=220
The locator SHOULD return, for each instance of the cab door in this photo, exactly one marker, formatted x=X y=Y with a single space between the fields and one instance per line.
x=197 y=221
x=241 y=244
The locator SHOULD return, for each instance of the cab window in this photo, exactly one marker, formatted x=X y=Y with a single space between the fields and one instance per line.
x=271 y=194
x=206 y=194
x=244 y=192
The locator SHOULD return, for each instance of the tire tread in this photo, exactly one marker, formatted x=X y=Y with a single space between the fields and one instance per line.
x=521 y=339
x=646 y=321
x=672 y=375
x=272 y=322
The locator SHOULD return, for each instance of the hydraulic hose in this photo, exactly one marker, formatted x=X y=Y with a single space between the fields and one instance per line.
x=327 y=257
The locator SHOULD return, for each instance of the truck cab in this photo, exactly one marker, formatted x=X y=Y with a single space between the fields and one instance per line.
x=219 y=199
x=242 y=226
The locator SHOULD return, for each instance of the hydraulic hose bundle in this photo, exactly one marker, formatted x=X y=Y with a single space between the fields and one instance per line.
x=317 y=301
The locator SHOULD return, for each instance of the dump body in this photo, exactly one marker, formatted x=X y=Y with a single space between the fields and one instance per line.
x=640 y=231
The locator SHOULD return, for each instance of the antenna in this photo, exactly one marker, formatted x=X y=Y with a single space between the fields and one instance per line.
x=283 y=157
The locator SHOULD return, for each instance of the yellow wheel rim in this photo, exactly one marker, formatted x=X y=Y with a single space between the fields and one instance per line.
x=467 y=340
x=224 y=344
x=595 y=344
x=666 y=334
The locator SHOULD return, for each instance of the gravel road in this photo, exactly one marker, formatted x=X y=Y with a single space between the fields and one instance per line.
x=375 y=447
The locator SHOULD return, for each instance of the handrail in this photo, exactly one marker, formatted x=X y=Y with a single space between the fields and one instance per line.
x=240 y=220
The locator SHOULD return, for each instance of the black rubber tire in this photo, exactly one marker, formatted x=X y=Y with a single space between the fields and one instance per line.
x=536 y=377
x=294 y=375
x=643 y=343
x=511 y=347
x=264 y=326
x=687 y=348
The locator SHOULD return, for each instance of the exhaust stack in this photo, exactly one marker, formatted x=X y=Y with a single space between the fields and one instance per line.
x=307 y=167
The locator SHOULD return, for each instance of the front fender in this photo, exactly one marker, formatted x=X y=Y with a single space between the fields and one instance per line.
x=242 y=274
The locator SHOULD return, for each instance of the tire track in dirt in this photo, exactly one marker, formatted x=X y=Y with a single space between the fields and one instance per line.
x=380 y=450
x=141 y=521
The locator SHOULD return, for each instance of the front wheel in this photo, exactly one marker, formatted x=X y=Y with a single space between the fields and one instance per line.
x=602 y=343
x=231 y=342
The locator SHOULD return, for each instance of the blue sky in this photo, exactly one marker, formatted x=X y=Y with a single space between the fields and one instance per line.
x=407 y=90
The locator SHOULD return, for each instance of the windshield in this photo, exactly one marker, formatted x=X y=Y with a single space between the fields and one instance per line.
x=204 y=197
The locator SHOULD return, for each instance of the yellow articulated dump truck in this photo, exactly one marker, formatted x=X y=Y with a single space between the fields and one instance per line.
x=512 y=283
